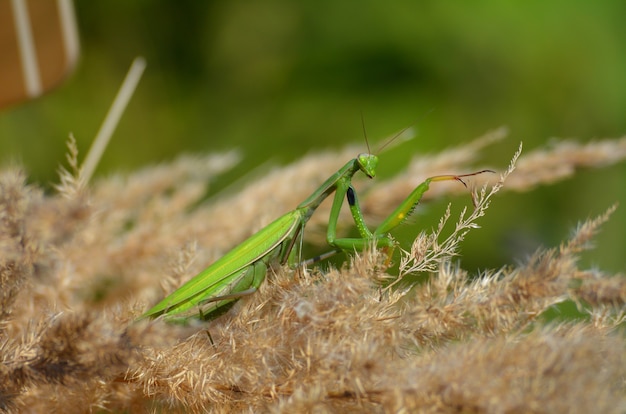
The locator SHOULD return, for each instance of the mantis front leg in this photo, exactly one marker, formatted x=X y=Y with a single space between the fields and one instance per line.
x=380 y=235
x=345 y=189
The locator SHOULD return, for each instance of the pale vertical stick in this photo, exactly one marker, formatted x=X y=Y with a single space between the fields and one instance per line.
x=113 y=116
x=70 y=32
x=28 y=53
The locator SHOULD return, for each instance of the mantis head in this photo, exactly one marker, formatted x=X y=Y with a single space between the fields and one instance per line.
x=367 y=163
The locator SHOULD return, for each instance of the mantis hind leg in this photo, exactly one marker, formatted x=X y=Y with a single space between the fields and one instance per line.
x=246 y=284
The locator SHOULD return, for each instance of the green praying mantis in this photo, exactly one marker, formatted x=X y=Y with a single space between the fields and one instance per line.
x=242 y=270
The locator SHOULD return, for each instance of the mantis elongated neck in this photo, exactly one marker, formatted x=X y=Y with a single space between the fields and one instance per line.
x=344 y=174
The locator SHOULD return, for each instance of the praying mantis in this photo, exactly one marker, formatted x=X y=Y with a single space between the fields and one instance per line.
x=241 y=271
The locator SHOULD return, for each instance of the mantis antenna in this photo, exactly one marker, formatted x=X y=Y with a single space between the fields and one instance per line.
x=389 y=141
x=367 y=143
x=401 y=132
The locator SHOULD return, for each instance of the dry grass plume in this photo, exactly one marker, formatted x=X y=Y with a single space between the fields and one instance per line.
x=78 y=266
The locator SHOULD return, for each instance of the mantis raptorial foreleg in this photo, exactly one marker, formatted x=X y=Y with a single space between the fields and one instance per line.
x=380 y=235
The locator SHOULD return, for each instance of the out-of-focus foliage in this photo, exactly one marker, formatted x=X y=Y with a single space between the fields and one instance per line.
x=276 y=79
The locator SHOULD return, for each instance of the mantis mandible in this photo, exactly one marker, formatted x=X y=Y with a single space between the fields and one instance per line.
x=242 y=270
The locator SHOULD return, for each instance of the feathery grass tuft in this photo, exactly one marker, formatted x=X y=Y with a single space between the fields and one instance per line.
x=79 y=266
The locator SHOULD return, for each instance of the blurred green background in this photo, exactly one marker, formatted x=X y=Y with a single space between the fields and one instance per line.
x=277 y=79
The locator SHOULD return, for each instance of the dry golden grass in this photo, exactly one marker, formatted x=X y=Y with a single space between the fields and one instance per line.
x=77 y=267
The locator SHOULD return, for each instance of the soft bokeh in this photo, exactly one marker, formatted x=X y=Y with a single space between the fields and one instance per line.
x=278 y=79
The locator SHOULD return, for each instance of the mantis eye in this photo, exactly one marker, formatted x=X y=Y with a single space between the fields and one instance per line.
x=367 y=164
